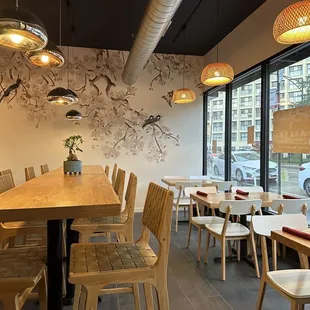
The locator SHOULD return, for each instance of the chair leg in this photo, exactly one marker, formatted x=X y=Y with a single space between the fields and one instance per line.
x=189 y=234
x=42 y=290
x=229 y=248
x=238 y=250
x=294 y=305
x=254 y=254
x=284 y=251
x=135 y=288
x=207 y=247
x=162 y=294
x=261 y=294
x=214 y=242
x=92 y=298
x=84 y=237
x=10 y=302
x=77 y=295
x=274 y=255
x=82 y=300
x=223 y=259
x=199 y=244
x=176 y=218
x=148 y=296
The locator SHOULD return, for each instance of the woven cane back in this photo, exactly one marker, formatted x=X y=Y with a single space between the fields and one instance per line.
x=107 y=170
x=29 y=173
x=8 y=171
x=114 y=174
x=6 y=183
x=120 y=184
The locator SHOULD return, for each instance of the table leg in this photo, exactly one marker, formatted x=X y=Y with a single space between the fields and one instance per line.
x=244 y=244
x=54 y=263
x=72 y=237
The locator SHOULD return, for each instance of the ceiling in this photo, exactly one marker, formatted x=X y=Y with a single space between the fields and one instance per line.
x=111 y=24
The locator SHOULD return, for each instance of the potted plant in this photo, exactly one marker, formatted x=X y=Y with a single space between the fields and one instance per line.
x=72 y=164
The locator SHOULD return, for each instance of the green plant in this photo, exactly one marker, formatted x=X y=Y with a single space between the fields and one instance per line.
x=72 y=143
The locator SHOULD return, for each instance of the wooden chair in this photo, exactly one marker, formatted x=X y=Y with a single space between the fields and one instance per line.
x=233 y=231
x=8 y=171
x=224 y=186
x=119 y=184
x=107 y=170
x=200 y=221
x=293 y=284
x=114 y=174
x=93 y=266
x=182 y=200
x=250 y=189
x=21 y=270
x=122 y=224
x=44 y=169
x=29 y=173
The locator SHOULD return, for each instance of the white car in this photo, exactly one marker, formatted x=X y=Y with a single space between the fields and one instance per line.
x=304 y=177
x=245 y=166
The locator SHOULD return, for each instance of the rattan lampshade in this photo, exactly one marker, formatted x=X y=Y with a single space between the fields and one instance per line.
x=50 y=56
x=216 y=74
x=183 y=95
x=292 y=25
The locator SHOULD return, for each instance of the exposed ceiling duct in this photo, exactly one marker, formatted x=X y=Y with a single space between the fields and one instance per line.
x=157 y=18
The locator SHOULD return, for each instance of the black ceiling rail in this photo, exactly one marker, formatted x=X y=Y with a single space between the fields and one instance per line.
x=183 y=28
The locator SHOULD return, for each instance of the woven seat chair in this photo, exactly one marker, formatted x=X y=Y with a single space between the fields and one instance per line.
x=21 y=270
x=29 y=173
x=44 y=169
x=107 y=170
x=93 y=266
x=114 y=173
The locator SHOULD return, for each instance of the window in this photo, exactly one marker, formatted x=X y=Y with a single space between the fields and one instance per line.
x=257 y=125
x=234 y=103
x=308 y=69
x=245 y=125
x=218 y=105
x=246 y=90
x=218 y=137
x=218 y=116
x=234 y=93
x=274 y=84
x=234 y=114
x=246 y=113
x=234 y=126
x=234 y=136
x=257 y=136
x=258 y=100
x=295 y=97
x=243 y=136
x=296 y=84
x=217 y=127
x=257 y=112
x=246 y=102
x=295 y=70
x=258 y=88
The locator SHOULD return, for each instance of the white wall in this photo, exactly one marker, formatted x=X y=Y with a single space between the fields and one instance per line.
x=252 y=41
x=32 y=130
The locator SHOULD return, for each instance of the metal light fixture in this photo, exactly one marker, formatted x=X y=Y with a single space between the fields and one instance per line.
x=50 y=56
x=62 y=96
x=21 y=30
x=218 y=73
x=292 y=25
x=74 y=115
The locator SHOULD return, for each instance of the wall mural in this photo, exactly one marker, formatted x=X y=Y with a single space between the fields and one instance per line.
x=116 y=127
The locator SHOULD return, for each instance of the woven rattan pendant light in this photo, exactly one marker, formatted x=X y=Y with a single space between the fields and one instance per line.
x=183 y=95
x=218 y=73
x=292 y=26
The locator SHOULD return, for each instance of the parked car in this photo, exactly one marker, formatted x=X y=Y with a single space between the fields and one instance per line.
x=304 y=177
x=245 y=166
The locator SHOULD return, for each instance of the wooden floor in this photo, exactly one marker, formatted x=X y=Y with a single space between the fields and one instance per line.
x=195 y=286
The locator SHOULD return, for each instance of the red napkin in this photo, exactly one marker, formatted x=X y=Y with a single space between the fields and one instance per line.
x=240 y=192
x=239 y=198
x=289 y=197
x=202 y=193
x=297 y=232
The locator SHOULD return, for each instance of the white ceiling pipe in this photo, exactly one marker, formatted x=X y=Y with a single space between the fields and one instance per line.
x=155 y=22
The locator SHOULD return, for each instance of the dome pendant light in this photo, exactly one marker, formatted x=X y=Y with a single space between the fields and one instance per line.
x=50 y=56
x=183 y=95
x=292 y=26
x=21 y=30
x=218 y=73
x=74 y=115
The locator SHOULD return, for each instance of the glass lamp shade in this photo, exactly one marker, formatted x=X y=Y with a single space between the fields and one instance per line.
x=292 y=25
x=183 y=95
x=21 y=30
x=216 y=74
x=74 y=115
x=62 y=96
x=50 y=56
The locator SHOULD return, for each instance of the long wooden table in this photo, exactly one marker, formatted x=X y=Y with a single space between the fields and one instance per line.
x=54 y=197
x=172 y=182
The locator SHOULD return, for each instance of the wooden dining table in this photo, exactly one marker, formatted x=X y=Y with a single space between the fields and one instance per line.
x=171 y=182
x=54 y=197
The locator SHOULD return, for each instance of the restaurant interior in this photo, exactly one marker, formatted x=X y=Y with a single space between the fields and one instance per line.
x=155 y=154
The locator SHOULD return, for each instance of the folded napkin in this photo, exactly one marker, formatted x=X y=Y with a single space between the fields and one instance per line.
x=202 y=193
x=239 y=198
x=297 y=232
x=289 y=197
x=241 y=192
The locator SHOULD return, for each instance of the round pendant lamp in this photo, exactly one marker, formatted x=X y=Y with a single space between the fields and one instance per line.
x=21 y=30
x=292 y=26
x=216 y=74
x=183 y=95
x=50 y=56
x=74 y=115
x=62 y=96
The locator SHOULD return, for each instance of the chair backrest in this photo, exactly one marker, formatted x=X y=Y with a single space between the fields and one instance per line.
x=44 y=169
x=263 y=225
x=183 y=184
x=107 y=170
x=130 y=197
x=291 y=206
x=224 y=186
x=114 y=174
x=250 y=189
x=240 y=207
x=201 y=177
x=157 y=217
x=174 y=177
x=206 y=189
x=120 y=184
x=6 y=183
x=29 y=173
x=8 y=171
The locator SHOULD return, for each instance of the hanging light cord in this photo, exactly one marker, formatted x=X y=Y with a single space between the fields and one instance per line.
x=17 y=4
x=217 y=28
x=184 y=59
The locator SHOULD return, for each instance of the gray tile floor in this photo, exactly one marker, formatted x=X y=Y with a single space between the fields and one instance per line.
x=196 y=286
